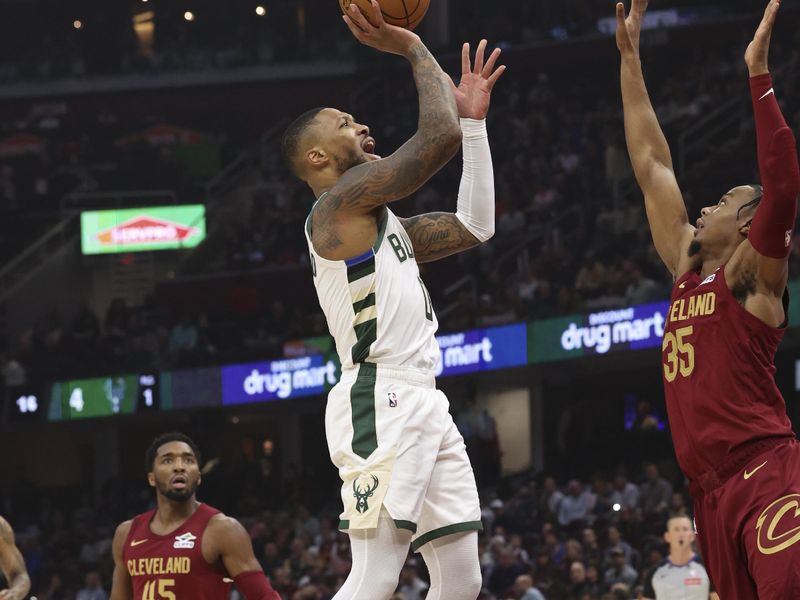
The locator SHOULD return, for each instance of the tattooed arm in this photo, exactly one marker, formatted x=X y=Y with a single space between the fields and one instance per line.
x=12 y=565
x=364 y=188
x=437 y=235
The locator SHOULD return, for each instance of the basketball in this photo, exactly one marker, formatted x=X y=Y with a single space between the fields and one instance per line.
x=403 y=13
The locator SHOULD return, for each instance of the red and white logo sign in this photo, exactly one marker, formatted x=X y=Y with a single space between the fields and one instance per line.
x=145 y=230
x=692 y=581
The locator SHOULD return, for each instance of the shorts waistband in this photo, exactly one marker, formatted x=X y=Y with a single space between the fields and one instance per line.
x=395 y=374
x=736 y=461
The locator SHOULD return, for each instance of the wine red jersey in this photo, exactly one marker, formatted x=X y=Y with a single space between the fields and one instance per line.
x=172 y=567
x=719 y=369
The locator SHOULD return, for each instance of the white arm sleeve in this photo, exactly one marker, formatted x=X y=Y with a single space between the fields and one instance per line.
x=475 y=207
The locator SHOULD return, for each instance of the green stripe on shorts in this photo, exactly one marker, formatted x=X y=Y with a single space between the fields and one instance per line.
x=362 y=405
x=443 y=531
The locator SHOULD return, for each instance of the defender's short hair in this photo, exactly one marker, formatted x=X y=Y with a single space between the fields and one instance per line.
x=290 y=144
x=166 y=438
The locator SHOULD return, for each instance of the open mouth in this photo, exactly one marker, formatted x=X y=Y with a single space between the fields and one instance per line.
x=179 y=482
x=700 y=224
x=369 y=148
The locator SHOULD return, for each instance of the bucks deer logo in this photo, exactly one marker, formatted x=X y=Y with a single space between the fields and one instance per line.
x=362 y=495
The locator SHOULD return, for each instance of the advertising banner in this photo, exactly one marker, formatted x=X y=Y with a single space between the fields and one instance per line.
x=142 y=229
x=574 y=336
x=278 y=379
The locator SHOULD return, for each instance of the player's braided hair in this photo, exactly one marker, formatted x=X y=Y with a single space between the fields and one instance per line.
x=166 y=438
x=292 y=136
x=759 y=191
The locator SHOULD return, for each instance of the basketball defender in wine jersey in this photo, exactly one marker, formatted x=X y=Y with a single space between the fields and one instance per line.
x=406 y=476
x=12 y=566
x=183 y=549
x=732 y=436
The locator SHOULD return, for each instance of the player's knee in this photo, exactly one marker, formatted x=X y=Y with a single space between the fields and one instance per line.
x=473 y=585
x=379 y=585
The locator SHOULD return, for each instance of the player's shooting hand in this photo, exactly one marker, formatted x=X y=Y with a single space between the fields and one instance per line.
x=757 y=54
x=474 y=91
x=382 y=36
x=9 y=595
x=630 y=28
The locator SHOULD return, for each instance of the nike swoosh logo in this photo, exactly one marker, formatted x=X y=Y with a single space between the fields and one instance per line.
x=751 y=473
x=771 y=91
x=681 y=286
x=137 y=542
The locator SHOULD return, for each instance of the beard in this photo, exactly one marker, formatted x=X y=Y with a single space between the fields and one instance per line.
x=178 y=495
x=350 y=159
x=694 y=248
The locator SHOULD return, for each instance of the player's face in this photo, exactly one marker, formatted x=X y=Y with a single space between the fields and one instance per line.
x=680 y=534
x=175 y=473
x=721 y=224
x=348 y=143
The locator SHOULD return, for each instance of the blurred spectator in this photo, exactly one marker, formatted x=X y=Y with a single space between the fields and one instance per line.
x=93 y=589
x=576 y=505
x=619 y=571
x=525 y=590
x=411 y=586
x=655 y=492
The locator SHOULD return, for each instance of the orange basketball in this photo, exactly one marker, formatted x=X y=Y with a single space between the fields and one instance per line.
x=403 y=13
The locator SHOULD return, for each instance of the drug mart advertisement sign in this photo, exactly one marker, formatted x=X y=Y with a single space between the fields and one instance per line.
x=142 y=229
x=633 y=328
x=482 y=350
x=278 y=379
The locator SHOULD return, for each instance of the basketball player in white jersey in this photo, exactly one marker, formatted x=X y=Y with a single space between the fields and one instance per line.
x=406 y=476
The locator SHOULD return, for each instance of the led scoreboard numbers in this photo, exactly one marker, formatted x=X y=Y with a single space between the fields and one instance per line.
x=24 y=404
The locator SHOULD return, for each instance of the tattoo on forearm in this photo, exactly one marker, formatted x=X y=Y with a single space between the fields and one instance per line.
x=437 y=235
x=437 y=139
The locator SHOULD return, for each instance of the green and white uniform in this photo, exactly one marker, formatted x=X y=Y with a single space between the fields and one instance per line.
x=389 y=429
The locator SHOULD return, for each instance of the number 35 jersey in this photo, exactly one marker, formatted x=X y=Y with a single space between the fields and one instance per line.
x=172 y=567
x=718 y=368
x=377 y=307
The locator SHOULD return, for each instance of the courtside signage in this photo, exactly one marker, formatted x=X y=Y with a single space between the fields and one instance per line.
x=482 y=350
x=632 y=328
x=278 y=379
x=142 y=229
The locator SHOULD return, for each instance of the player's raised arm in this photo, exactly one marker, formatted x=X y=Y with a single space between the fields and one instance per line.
x=12 y=565
x=440 y=234
x=121 y=588
x=367 y=186
x=649 y=151
x=770 y=233
x=229 y=542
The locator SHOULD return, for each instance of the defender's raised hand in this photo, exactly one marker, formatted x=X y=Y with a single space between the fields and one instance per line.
x=630 y=28
x=474 y=91
x=757 y=54
x=382 y=36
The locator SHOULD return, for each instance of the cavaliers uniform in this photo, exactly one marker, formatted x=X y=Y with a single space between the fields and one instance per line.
x=172 y=567
x=733 y=439
x=389 y=429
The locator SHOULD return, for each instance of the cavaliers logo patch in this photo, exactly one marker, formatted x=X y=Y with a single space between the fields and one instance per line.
x=779 y=525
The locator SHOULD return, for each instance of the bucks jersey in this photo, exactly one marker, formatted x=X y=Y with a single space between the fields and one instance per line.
x=377 y=307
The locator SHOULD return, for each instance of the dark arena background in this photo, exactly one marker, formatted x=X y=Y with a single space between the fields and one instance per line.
x=154 y=275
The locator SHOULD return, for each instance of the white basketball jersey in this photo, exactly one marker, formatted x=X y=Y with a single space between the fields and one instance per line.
x=377 y=307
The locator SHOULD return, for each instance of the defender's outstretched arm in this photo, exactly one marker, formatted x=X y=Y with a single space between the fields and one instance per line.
x=649 y=151
x=770 y=234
